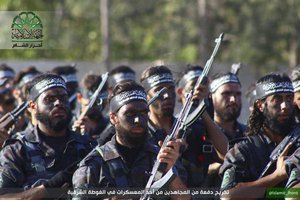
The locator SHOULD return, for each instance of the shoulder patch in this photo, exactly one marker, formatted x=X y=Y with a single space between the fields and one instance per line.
x=294 y=178
x=228 y=179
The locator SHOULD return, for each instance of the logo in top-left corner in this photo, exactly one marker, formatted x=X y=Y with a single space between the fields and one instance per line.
x=27 y=31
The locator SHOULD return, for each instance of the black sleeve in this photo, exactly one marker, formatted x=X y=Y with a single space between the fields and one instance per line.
x=12 y=159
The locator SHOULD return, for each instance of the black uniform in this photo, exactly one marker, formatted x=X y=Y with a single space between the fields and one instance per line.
x=32 y=158
x=246 y=160
x=116 y=166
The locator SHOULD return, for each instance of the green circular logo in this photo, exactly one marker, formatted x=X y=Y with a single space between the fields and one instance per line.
x=27 y=30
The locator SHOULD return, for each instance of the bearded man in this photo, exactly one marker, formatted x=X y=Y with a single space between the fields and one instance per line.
x=226 y=94
x=271 y=120
x=124 y=161
x=46 y=156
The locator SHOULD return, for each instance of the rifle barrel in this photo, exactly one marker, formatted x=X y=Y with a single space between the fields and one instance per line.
x=157 y=95
x=95 y=95
x=180 y=122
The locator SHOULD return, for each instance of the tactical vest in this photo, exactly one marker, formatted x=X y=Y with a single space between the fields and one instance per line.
x=117 y=169
x=120 y=172
x=36 y=171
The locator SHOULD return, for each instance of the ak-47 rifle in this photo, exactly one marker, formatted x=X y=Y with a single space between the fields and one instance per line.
x=290 y=138
x=10 y=118
x=94 y=97
x=179 y=127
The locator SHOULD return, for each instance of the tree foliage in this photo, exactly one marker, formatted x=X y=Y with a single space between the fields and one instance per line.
x=261 y=33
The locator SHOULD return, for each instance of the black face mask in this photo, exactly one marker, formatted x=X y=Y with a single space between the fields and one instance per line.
x=128 y=140
x=278 y=128
x=124 y=130
x=55 y=124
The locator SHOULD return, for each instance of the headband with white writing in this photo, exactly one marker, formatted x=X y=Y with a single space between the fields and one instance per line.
x=117 y=78
x=69 y=77
x=126 y=97
x=269 y=88
x=44 y=85
x=188 y=77
x=157 y=79
x=228 y=78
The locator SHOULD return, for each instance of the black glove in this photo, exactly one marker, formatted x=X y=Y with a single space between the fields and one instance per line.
x=62 y=177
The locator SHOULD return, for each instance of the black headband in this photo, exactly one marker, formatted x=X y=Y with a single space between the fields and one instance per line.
x=228 y=78
x=189 y=76
x=118 y=77
x=6 y=74
x=26 y=79
x=125 y=97
x=69 y=78
x=268 y=88
x=45 y=84
x=157 y=79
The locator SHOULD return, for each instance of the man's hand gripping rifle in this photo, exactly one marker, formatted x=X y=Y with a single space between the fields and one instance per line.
x=292 y=138
x=180 y=125
x=94 y=97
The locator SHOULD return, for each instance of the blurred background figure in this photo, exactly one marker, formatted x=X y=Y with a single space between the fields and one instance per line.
x=95 y=121
x=251 y=96
x=225 y=89
x=295 y=77
x=21 y=81
x=20 y=92
x=7 y=100
x=119 y=74
x=69 y=74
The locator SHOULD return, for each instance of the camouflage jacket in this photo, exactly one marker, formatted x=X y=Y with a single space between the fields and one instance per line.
x=26 y=161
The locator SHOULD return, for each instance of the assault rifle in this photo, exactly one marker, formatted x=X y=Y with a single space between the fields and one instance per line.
x=10 y=118
x=94 y=97
x=290 y=138
x=179 y=127
x=157 y=95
